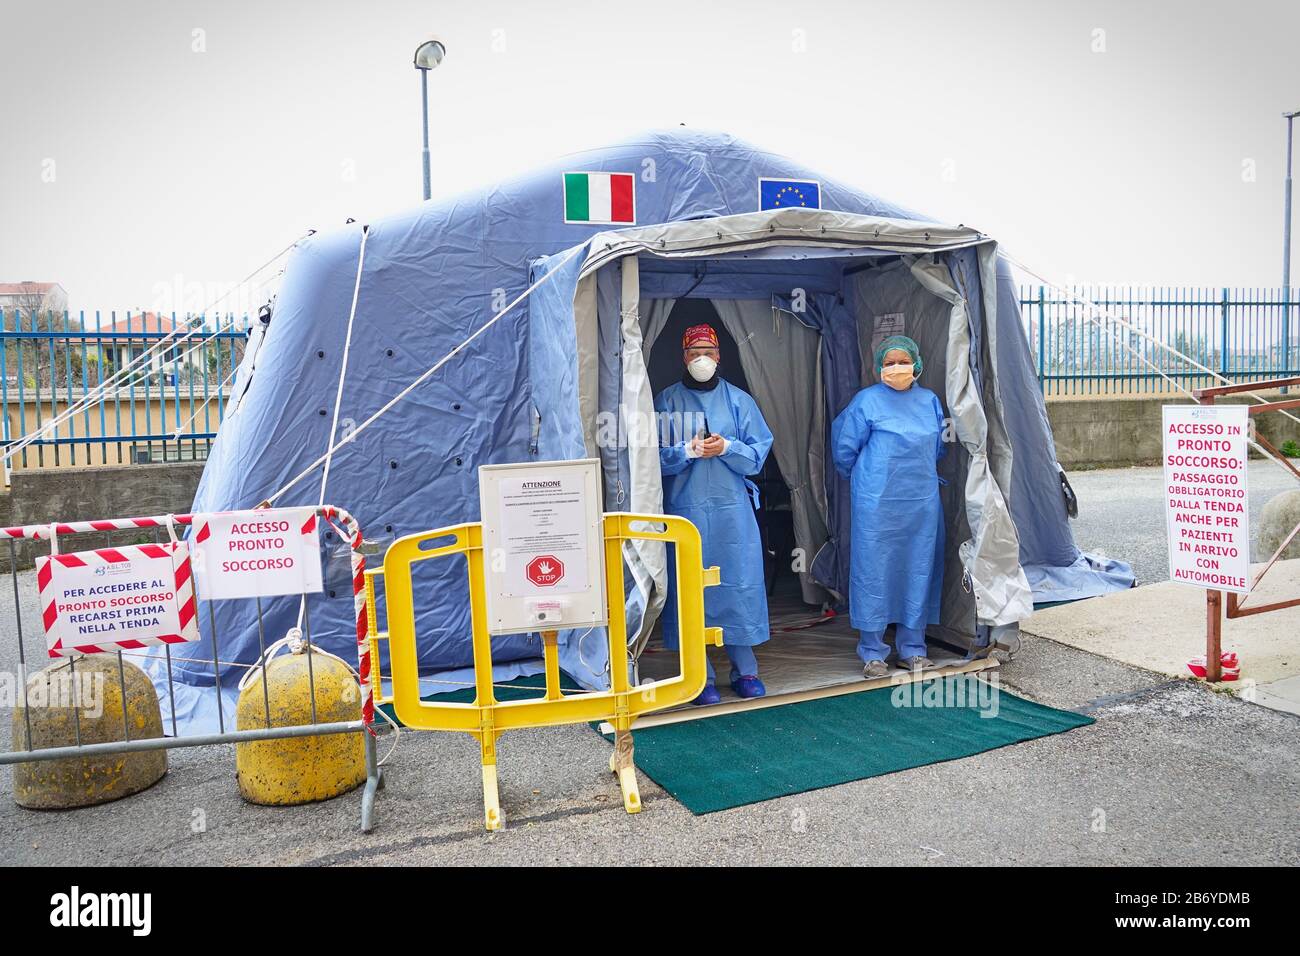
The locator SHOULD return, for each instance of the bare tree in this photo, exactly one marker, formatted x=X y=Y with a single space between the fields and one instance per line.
x=43 y=362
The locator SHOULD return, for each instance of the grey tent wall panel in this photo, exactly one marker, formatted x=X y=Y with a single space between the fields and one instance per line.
x=779 y=356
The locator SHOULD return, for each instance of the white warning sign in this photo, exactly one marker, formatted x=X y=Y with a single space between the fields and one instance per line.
x=117 y=599
x=243 y=554
x=1206 y=503
x=544 y=526
x=543 y=542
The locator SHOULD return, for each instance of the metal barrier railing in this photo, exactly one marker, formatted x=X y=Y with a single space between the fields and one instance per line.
x=1236 y=608
x=134 y=378
x=342 y=523
x=487 y=718
x=1238 y=333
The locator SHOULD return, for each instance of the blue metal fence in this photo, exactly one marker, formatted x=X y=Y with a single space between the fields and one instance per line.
x=168 y=406
x=1241 y=334
x=143 y=390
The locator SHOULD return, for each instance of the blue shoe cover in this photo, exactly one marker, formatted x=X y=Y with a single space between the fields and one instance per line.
x=707 y=696
x=748 y=687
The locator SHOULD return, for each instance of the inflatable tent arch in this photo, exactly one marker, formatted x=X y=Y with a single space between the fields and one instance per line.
x=800 y=289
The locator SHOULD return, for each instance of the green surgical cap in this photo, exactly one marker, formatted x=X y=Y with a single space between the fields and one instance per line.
x=898 y=342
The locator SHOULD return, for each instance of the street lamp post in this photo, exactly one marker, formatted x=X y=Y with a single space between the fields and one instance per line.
x=1286 y=251
x=427 y=57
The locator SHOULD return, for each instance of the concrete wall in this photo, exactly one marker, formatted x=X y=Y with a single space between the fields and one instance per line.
x=1090 y=433
x=41 y=496
x=1115 y=432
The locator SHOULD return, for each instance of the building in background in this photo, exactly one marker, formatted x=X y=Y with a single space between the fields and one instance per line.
x=28 y=297
x=144 y=333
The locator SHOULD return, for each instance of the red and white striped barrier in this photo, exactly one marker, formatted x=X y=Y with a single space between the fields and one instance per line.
x=41 y=532
x=350 y=531
x=339 y=519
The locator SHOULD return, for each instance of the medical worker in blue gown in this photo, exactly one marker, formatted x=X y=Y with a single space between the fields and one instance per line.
x=712 y=438
x=887 y=443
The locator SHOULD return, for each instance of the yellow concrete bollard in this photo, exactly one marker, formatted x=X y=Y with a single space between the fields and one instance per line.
x=94 y=685
x=300 y=769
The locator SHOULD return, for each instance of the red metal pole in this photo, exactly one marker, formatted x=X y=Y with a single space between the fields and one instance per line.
x=1213 y=634
x=1213 y=599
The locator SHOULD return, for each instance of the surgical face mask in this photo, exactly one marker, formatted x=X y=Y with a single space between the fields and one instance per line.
x=702 y=368
x=899 y=376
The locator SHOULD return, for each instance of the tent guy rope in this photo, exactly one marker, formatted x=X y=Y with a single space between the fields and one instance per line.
x=423 y=377
x=178 y=432
x=1090 y=305
x=1094 y=307
x=338 y=392
x=343 y=365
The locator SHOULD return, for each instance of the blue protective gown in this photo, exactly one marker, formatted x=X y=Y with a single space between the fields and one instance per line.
x=716 y=495
x=887 y=443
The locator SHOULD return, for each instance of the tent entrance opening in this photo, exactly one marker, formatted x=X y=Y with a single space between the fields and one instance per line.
x=810 y=646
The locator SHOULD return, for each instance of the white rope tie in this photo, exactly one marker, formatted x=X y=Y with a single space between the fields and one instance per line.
x=338 y=392
x=343 y=366
x=293 y=640
x=180 y=429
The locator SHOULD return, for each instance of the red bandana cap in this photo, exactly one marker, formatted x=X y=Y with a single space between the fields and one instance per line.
x=699 y=337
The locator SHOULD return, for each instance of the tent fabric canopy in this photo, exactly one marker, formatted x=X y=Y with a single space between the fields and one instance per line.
x=563 y=375
x=987 y=563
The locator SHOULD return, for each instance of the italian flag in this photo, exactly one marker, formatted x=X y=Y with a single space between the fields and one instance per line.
x=599 y=197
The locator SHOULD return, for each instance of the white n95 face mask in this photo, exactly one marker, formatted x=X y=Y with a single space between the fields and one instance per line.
x=702 y=368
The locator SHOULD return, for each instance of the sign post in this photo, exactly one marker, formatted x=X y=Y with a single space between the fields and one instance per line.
x=1206 y=505
x=544 y=546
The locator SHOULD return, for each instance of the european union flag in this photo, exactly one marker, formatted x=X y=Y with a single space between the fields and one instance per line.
x=788 y=194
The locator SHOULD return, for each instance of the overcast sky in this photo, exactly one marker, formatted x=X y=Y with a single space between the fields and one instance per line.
x=155 y=152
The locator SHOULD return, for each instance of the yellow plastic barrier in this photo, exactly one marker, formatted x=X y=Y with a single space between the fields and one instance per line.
x=487 y=718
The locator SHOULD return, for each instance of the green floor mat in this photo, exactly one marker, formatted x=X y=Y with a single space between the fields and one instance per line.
x=728 y=761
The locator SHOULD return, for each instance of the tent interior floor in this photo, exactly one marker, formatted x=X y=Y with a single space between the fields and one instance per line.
x=798 y=663
x=795 y=665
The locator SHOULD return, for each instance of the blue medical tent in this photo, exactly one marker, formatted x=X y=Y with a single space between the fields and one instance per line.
x=801 y=272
